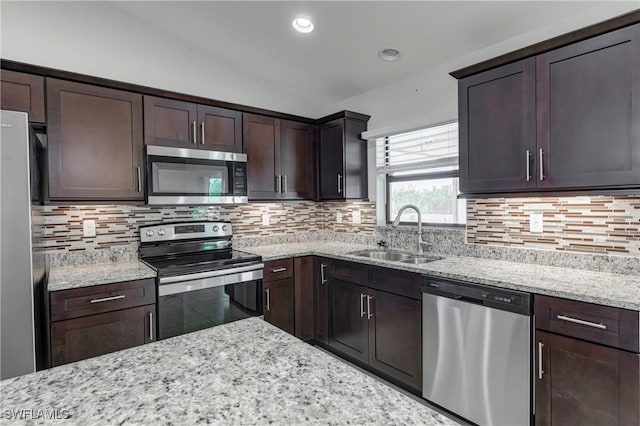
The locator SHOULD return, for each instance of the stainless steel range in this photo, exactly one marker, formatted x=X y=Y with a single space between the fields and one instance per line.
x=202 y=281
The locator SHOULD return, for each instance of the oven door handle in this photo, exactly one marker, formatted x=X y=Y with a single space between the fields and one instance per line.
x=210 y=282
x=212 y=274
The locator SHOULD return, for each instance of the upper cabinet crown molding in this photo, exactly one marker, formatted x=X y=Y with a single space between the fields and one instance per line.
x=565 y=120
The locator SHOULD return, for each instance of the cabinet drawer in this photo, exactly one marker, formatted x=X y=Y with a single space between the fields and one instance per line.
x=278 y=269
x=397 y=282
x=79 y=302
x=596 y=323
x=348 y=271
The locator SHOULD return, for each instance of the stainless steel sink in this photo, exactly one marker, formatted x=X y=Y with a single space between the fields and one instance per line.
x=419 y=260
x=383 y=255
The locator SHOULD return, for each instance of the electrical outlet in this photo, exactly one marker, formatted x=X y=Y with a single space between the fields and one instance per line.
x=356 y=217
x=265 y=219
x=89 y=228
x=339 y=217
x=536 y=223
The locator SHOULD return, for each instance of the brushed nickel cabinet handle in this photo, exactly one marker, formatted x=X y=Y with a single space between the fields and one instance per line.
x=268 y=299
x=195 y=132
x=202 y=133
x=285 y=184
x=139 y=179
x=362 y=296
x=369 y=314
x=582 y=322
x=540 y=370
x=541 y=164
x=278 y=184
x=339 y=186
x=150 y=325
x=278 y=270
x=323 y=280
x=108 y=299
x=528 y=165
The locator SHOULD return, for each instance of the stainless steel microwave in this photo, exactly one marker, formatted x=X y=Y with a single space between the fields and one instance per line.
x=194 y=176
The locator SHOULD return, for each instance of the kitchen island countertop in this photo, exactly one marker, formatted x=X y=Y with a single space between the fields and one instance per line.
x=245 y=372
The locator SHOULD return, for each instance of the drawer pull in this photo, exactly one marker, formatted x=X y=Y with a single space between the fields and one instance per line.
x=108 y=299
x=278 y=270
x=582 y=322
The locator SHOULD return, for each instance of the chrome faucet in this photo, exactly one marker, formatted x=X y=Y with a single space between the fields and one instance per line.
x=397 y=222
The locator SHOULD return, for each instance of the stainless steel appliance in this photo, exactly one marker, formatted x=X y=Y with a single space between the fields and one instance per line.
x=22 y=269
x=202 y=281
x=477 y=351
x=195 y=176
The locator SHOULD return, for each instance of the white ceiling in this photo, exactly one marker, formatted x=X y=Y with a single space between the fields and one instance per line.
x=339 y=59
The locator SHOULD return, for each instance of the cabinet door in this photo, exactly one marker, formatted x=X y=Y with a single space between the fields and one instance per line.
x=321 y=303
x=498 y=129
x=303 y=290
x=581 y=383
x=332 y=160
x=95 y=142
x=262 y=145
x=589 y=112
x=278 y=304
x=395 y=340
x=297 y=160
x=168 y=122
x=24 y=93
x=354 y=184
x=86 y=337
x=220 y=129
x=348 y=325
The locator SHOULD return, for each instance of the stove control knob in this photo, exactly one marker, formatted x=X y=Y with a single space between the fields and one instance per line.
x=215 y=228
x=149 y=233
x=161 y=232
x=224 y=227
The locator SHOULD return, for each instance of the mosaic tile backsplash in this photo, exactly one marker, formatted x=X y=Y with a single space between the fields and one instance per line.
x=118 y=225
x=596 y=225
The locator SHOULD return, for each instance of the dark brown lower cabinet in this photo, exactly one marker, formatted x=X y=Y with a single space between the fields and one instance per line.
x=321 y=302
x=304 y=273
x=86 y=337
x=279 y=304
x=583 y=383
x=378 y=328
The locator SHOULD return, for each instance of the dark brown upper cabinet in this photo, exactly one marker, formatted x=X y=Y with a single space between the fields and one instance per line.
x=343 y=157
x=94 y=142
x=24 y=93
x=497 y=110
x=280 y=158
x=588 y=98
x=169 y=122
x=567 y=119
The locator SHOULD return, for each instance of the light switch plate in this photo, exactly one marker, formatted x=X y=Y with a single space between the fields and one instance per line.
x=356 y=217
x=536 y=223
x=265 y=219
x=89 y=228
x=339 y=217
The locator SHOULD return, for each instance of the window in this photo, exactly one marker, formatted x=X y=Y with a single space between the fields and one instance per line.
x=421 y=168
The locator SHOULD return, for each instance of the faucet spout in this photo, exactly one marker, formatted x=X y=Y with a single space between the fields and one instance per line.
x=397 y=222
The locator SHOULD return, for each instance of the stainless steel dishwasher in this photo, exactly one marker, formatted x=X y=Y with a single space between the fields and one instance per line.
x=476 y=352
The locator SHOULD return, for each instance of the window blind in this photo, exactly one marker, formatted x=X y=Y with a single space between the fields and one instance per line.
x=433 y=147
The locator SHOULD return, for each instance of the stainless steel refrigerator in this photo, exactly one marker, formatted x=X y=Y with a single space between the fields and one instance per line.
x=23 y=270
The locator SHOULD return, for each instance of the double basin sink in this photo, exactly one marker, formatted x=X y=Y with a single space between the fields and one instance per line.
x=395 y=256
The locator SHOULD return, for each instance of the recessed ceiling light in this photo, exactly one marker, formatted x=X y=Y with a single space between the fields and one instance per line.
x=389 y=55
x=302 y=24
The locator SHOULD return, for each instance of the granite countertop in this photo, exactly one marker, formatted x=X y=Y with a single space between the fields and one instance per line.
x=617 y=290
x=95 y=274
x=245 y=372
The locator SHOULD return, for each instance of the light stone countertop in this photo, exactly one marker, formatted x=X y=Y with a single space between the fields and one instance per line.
x=95 y=274
x=245 y=372
x=617 y=290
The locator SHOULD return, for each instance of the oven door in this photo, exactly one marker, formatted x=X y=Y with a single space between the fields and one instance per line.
x=206 y=301
x=190 y=176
